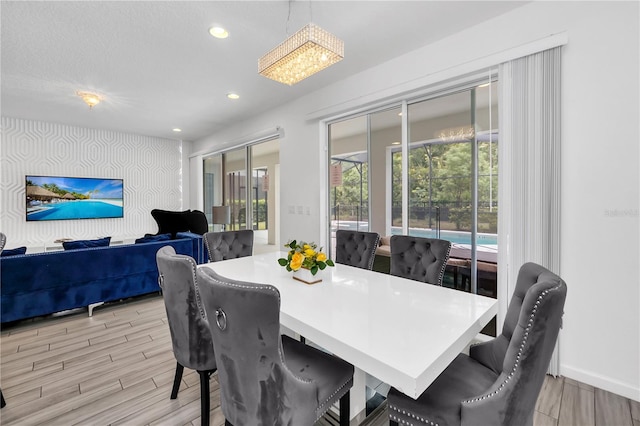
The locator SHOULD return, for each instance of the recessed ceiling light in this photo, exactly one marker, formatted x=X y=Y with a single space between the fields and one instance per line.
x=218 y=32
x=91 y=99
x=177 y=130
x=395 y=143
x=233 y=96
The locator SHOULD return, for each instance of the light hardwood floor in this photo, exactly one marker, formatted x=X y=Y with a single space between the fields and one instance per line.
x=116 y=368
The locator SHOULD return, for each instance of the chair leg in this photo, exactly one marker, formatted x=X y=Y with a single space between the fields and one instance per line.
x=176 y=380
x=345 y=408
x=204 y=397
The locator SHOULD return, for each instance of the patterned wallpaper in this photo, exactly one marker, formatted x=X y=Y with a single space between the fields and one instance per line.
x=151 y=168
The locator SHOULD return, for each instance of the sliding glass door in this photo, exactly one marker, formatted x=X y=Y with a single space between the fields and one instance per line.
x=349 y=170
x=227 y=182
x=447 y=188
x=264 y=160
x=440 y=167
x=235 y=187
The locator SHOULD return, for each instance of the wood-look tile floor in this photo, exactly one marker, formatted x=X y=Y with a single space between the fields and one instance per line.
x=117 y=367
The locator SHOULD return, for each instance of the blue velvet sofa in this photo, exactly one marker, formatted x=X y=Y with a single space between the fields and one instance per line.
x=43 y=283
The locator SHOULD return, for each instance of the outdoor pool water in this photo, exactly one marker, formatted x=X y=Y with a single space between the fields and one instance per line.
x=76 y=210
x=456 y=237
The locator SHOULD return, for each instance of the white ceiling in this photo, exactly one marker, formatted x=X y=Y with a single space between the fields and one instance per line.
x=157 y=67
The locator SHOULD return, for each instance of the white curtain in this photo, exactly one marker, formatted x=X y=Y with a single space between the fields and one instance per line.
x=529 y=179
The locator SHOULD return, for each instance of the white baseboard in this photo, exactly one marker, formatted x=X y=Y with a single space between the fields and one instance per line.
x=605 y=383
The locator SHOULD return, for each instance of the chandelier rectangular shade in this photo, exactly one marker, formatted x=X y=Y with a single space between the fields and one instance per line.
x=306 y=52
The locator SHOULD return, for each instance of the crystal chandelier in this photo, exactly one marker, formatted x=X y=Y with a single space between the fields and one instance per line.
x=306 y=52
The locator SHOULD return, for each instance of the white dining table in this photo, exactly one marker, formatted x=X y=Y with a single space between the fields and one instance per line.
x=402 y=332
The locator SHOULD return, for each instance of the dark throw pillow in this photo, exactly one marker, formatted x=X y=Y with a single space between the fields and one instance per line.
x=153 y=238
x=14 y=252
x=80 y=244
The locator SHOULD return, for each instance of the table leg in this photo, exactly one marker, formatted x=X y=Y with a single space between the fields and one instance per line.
x=358 y=397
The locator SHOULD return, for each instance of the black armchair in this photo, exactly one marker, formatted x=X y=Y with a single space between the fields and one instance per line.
x=499 y=382
x=172 y=222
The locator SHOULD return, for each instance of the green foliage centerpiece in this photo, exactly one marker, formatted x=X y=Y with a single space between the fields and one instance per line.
x=305 y=256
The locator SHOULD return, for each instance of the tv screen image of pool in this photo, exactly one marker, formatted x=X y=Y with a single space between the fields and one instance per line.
x=65 y=198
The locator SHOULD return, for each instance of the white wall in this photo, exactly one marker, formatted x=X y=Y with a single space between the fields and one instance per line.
x=600 y=232
x=600 y=161
x=151 y=168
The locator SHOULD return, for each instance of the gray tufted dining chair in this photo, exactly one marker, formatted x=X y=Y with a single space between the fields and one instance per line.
x=266 y=378
x=499 y=381
x=356 y=248
x=229 y=244
x=419 y=259
x=190 y=336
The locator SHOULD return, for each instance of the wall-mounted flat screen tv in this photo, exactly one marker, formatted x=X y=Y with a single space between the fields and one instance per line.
x=65 y=198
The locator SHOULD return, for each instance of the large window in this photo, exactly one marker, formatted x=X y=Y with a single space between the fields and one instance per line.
x=447 y=187
x=453 y=166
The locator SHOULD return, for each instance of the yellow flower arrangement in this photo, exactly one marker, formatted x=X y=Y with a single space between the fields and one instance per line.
x=305 y=255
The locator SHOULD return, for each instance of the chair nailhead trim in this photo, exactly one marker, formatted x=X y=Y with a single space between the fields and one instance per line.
x=203 y=313
x=406 y=422
x=373 y=256
x=324 y=409
x=444 y=266
x=520 y=350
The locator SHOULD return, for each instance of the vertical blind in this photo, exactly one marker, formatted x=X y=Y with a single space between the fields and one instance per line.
x=529 y=179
